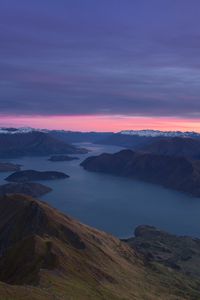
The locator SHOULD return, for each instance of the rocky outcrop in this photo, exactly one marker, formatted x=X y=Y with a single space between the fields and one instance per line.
x=181 y=253
x=32 y=175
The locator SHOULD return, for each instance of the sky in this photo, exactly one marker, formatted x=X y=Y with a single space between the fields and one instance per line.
x=104 y=65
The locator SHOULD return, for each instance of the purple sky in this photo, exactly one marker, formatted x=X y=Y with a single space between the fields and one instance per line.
x=107 y=57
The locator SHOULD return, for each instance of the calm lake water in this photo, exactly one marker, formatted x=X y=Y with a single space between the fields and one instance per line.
x=113 y=204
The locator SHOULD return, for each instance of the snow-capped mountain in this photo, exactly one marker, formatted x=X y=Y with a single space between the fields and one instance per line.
x=157 y=133
x=4 y=130
x=142 y=133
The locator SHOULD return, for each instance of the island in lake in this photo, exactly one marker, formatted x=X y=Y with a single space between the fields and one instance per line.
x=62 y=158
x=32 y=175
x=28 y=188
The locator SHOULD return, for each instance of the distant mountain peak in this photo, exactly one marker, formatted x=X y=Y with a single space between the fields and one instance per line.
x=12 y=130
x=157 y=133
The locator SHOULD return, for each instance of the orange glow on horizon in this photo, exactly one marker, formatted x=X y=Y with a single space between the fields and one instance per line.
x=101 y=123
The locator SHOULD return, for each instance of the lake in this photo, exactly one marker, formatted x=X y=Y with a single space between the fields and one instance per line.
x=114 y=204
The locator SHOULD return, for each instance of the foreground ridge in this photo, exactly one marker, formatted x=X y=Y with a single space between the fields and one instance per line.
x=45 y=254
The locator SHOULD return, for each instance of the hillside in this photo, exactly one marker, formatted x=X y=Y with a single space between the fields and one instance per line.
x=178 y=173
x=47 y=255
x=34 y=144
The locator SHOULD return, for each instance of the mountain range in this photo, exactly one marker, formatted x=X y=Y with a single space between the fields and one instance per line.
x=158 y=133
x=143 y=132
x=43 y=141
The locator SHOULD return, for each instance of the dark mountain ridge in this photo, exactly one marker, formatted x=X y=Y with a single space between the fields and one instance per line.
x=126 y=141
x=79 y=137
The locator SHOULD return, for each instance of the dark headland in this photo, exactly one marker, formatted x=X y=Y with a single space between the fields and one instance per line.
x=178 y=173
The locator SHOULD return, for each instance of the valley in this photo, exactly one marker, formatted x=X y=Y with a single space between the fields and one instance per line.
x=101 y=200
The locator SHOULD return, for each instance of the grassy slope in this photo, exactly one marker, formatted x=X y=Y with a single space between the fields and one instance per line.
x=105 y=269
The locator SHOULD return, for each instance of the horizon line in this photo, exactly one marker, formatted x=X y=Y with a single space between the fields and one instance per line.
x=99 y=123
